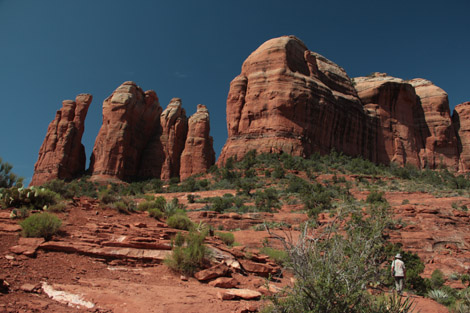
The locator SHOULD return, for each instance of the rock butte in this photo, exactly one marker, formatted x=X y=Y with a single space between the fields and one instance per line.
x=287 y=99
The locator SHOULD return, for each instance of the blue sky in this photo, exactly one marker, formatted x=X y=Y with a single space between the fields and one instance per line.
x=52 y=50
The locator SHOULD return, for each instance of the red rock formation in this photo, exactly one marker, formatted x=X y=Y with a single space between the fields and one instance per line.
x=174 y=130
x=130 y=118
x=436 y=127
x=198 y=154
x=290 y=99
x=394 y=103
x=62 y=155
x=461 y=123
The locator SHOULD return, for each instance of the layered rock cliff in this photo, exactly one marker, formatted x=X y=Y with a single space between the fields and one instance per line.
x=62 y=154
x=289 y=99
x=461 y=123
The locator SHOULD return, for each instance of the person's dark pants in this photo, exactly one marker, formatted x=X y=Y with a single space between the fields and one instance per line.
x=399 y=283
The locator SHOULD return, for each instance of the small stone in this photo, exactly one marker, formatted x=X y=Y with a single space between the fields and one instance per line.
x=183 y=278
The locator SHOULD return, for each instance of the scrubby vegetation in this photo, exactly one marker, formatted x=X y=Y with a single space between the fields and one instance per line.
x=189 y=253
x=43 y=225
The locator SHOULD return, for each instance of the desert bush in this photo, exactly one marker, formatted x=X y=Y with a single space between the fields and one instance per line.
x=333 y=270
x=155 y=213
x=279 y=256
x=173 y=207
x=41 y=225
x=108 y=196
x=437 y=279
x=376 y=198
x=227 y=238
x=120 y=206
x=267 y=200
x=441 y=296
x=180 y=221
x=189 y=253
x=58 y=207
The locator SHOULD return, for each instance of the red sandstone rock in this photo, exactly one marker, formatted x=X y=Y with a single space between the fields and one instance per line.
x=212 y=272
x=130 y=119
x=289 y=99
x=258 y=268
x=394 y=103
x=232 y=294
x=198 y=154
x=436 y=127
x=224 y=282
x=62 y=155
x=174 y=130
x=461 y=123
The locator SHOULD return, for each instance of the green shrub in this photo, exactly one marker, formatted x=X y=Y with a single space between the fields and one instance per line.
x=227 y=238
x=188 y=258
x=32 y=198
x=41 y=225
x=108 y=196
x=437 y=279
x=120 y=206
x=58 y=207
x=180 y=221
x=156 y=213
x=375 y=197
x=279 y=256
x=267 y=200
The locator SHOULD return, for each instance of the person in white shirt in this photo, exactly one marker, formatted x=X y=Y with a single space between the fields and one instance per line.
x=399 y=272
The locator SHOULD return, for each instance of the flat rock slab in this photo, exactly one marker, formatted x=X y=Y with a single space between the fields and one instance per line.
x=27 y=246
x=106 y=252
x=7 y=227
x=224 y=282
x=233 y=294
x=212 y=272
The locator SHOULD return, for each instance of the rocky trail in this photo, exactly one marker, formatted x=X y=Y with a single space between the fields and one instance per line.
x=105 y=261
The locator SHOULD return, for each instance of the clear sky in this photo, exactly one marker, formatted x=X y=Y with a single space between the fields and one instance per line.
x=52 y=50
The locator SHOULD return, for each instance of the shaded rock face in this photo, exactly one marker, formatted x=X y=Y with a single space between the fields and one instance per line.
x=198 y=154
x=62 y=155
x=441 y=144
x=289 y=99
x=461 y=123
x=174 y=125
x=130 y=117
x=394 y=103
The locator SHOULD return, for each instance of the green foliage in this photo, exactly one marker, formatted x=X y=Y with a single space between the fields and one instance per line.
x=279 y=256
x=189 y=253
x=414 y=268
x=437 y=279
x=41 y=225
x=376 y=198
x=120 y=206
x=108 y=196
x=180 y=221
x=333 y=269
x=32 y=198
x=7 y=178
x=156 y=213
x=267 y=200
x=75 y=188
x=173 y=207
x=158 y=203
x=227 y=238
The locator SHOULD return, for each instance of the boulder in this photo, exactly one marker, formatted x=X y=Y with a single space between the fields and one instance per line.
x=62 y=155
x=212 y=272
x=130 y=121
x=224 y=282
x=198 y=154
x=259 y=268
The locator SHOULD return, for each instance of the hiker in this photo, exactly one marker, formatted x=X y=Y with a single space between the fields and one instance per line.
x=399 y=272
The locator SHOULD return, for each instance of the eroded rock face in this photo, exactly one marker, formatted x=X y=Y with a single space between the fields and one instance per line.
x=395 y=104
x=62 y=155
x=130 y=118
x=174 y=125
x=437 y=129
x=461 y=123
x=289 y=99
x=198 y=155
